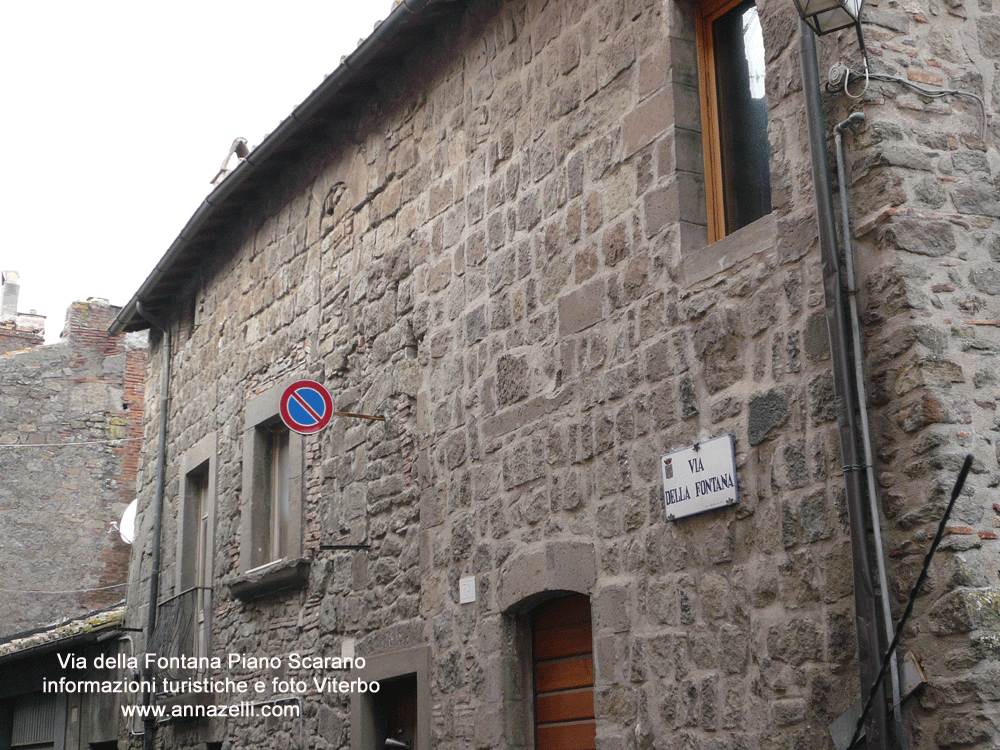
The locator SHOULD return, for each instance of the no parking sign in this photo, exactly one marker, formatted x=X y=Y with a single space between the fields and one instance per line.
x=306 y=407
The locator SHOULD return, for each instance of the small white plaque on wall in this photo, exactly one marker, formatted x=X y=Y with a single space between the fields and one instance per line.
x=467 y=590
x=700 y=477
x=347 y=648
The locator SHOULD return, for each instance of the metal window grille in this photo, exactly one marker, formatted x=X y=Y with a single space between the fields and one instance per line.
x=176 y=630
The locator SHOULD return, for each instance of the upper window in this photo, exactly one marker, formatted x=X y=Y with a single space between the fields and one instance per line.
x=272 y=485
x=275 y=456
x=734 y=115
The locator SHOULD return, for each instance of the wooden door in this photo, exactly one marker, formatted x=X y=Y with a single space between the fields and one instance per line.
x=564 y=674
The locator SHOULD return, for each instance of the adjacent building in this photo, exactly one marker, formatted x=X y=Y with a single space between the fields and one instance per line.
x=70 y=433
x=62 y=719
x=548 y=244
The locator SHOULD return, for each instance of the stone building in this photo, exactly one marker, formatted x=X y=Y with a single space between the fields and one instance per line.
x=539 y=240
x=40 y=720
x=70 y=423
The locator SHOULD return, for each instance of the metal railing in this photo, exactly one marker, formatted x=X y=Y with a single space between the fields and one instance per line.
x=177 y=633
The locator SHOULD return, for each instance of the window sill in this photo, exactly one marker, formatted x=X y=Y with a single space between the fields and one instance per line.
x=271 y=579
x=706 y=261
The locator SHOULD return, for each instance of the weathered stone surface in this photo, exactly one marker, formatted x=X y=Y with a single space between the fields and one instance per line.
x=582 y=308
x=526 y=290
x=986 y=280
x=718 y=342
x=921 y=237
x=977 y=199
x=512 y=380
x=766 y=413
x=56 y=503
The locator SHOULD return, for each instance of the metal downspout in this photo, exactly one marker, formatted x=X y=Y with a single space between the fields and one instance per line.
x=161 y=469
x=866 y=618
x=866 y=441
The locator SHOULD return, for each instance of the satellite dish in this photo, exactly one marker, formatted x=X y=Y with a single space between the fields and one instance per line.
x=127 y=525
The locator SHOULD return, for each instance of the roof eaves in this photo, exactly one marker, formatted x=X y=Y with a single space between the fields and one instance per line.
x=52 y=637
x=350 y=67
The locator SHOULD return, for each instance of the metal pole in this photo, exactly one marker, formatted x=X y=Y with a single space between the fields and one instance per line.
x=866 y=621
x=161 y=471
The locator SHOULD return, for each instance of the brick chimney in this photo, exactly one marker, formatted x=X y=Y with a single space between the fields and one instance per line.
x=9 y=288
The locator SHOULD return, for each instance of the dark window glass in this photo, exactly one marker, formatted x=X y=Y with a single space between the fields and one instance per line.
x=745 y=152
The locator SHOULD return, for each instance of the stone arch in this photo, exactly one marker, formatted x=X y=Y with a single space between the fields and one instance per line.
x=542 y=571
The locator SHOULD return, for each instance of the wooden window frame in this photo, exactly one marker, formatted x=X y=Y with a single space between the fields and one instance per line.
x=706 y=12
x=277 y=438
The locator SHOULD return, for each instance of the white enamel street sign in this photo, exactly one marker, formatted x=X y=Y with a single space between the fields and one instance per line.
x=700 y=477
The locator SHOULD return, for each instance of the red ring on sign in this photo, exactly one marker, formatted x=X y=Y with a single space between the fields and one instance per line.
x=305 y=407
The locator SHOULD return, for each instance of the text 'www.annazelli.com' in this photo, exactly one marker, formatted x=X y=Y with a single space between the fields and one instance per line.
x=197 y=711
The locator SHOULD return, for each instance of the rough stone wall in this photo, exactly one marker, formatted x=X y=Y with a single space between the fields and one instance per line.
x=504 y=258
x=61 y=483
x=923 y=173
x=15 y=335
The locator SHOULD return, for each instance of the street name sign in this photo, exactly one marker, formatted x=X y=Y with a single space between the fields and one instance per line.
x=700 y=477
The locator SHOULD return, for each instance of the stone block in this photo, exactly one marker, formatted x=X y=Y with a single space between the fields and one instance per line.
x=611 y=610
x=581 y=308
x=978 y=198
x=719 y=344
x=702 y=262
x=920 y=237
x=615 y=57
x=986 y=279
x=552 y=566
x=795 y=642
x=766 y=412
x=512 y=379
x=647 y=121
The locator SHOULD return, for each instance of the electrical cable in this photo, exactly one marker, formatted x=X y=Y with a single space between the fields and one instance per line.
x=936 y=93
x=60 y=445
x=864 y=57
x=959 y=484
x=868 y=76
x=74 y=591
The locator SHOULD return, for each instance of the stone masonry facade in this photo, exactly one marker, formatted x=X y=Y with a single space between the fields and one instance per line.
x=63 y=482
x=504 y=254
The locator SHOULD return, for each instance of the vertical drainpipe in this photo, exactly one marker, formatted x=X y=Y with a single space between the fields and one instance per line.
x=161 y=470
x=866 y=618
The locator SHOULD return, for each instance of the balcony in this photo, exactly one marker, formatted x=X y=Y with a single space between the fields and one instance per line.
x=182 y=634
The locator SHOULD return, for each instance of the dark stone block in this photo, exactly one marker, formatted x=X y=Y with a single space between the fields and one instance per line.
x=766 y=412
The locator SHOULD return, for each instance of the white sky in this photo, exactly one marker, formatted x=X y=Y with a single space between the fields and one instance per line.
x=117 y=114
